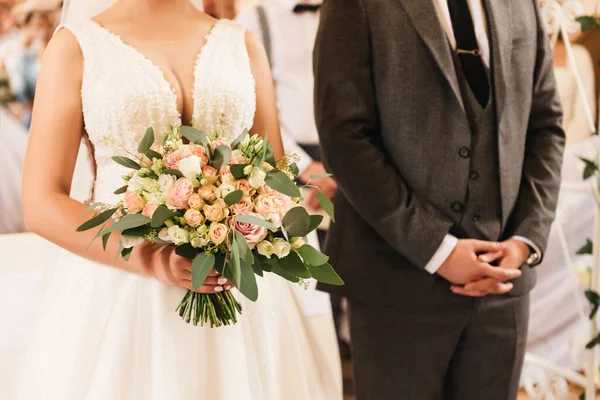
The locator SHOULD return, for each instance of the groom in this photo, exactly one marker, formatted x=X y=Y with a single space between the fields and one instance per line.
x=440 y=120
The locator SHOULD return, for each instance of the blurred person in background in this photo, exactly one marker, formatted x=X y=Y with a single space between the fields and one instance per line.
x=287 y=29
x=37 y=21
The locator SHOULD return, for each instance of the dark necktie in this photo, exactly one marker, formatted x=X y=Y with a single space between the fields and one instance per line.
x=468 y=50
x=302 y=8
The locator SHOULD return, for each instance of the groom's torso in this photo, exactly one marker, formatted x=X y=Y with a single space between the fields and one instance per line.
x=463 y=158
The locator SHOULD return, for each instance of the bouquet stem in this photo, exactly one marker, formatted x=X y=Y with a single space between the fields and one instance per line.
x=216 y=309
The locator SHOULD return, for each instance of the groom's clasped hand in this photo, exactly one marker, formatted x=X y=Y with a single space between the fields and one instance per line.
x=470 y=271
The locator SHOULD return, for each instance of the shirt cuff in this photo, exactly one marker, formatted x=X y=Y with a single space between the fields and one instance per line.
x=534 y=247
x=442 y=254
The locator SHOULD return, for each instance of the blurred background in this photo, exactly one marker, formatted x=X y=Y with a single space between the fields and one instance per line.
x=559 y=326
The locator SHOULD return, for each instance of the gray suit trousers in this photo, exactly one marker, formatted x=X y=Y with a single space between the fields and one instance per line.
x=446 y=347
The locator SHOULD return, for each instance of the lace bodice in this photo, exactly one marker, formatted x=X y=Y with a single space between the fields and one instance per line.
x=123 y=93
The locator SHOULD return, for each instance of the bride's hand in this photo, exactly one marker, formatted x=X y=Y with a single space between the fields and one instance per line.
x=175 y=270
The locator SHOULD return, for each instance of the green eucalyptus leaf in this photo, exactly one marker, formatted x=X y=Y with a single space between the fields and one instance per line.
x=315 y=221
x=292 y=264
x=257 y=269
x=242 y=244
x=266 y=264
x=126 y=162
x=277 y=270
x=594 y=299
x=248 y=286
x=105 y=238
x=587 y=22
x=250 y=219
x=138 y=232
x=233 y=268
x=220 y=263
x=151 y=154
x=237 y=170
x=147 y=141
x=127 y=222
x=97 y=220
x=161 y=214
x=221 y=156
x=593 y=343
x=320 y=176
x=96 y=236
x=187 y=251
x=297 y=222
x=239 y=139
x=279 y=181
x=121 y=190
x=234 y=197
x=312 y=256
x=325 y=274
x=294 y=168
x=126 y=253
x=326 y=204
x=587 y=249
x=201 y=267
x=590 y=168
x=168 y=171
x=194 y=135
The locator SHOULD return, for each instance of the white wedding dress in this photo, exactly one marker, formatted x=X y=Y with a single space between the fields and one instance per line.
x=108 y=334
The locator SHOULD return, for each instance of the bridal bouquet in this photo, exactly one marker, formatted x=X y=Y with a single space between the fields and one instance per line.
x=226 y=205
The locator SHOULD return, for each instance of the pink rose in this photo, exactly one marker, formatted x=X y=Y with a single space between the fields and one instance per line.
x=208 y=192
x=244 y=206
x=171 y=160
x=179 y=194
x=193 y=218
x=244 y=186
x=216 y=143
x=148 y=211
x=252 y=233
x=195 y=201
x=226 y=175
x=210 y=174
x=215 y=212
x=265 y=205
x=217 y=233
x=199 y=151
x=133 y=202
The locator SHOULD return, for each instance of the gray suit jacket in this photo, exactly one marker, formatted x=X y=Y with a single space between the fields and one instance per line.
x=388 y=109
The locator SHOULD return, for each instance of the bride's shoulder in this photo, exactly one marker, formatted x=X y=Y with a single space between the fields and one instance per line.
x=63 y=54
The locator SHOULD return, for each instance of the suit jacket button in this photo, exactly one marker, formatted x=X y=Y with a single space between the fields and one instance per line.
x=474 y=175
x=464 y=152
x=476 y=218
x=457 y=207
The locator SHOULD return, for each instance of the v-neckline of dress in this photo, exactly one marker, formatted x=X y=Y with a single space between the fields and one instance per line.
x=166 y=84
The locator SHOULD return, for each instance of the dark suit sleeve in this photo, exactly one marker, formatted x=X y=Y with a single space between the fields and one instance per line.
x=540 y=182
x=349 y=129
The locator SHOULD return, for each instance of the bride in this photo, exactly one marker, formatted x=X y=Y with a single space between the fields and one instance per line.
x=108 y=329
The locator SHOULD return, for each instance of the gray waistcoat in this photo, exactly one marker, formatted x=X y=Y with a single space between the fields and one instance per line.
x=479 y=216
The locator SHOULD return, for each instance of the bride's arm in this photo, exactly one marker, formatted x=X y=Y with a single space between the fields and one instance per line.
x=265 y=119
x=54 y=140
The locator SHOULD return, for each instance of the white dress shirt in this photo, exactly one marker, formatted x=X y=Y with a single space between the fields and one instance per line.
x=481 y=32
x=292 y=40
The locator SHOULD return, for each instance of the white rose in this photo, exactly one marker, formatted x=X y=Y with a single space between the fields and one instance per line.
x=129 y=242
x=178 y=235
x=224 y=190
x=164 y=235
x=165 y=182
x=265 y=248
x=148 y=184
x=190 y=167
x=281 y=247
x=256 y=178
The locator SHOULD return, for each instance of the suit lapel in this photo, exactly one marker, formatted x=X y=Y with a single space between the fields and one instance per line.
x=500 y=31
x=425 y=20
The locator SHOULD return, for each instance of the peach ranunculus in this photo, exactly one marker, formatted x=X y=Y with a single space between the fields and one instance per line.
x=252 y=233
x=193 y=218
x=210 y=174
x=244 y=206
x=208 y=192
x=195 y=201
x=171 y=160
x=215 y=212
x=217 y=233
x=244 y=186
x=216 y=143
x=197 y=150
x=179 y=194
x=226 y=175
x=133 y=202
x=265 y=205
x=149 y=209
x=265 y=189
